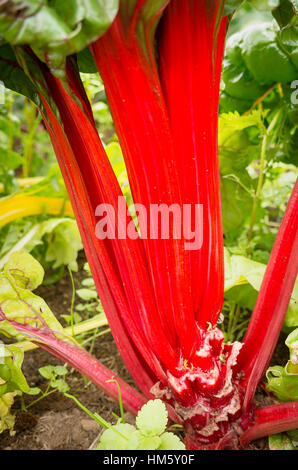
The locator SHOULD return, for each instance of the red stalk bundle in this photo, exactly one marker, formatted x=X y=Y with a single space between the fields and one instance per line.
x=162 y=301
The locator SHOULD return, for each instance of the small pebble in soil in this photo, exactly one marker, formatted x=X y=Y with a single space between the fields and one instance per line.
x=89 y=425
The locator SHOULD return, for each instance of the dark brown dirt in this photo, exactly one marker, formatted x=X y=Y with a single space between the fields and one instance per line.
x=56 y=422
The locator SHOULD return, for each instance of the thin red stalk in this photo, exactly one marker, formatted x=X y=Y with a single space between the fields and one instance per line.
x=77 y=87
x=272 y=302
x=83 y=362
x=272 y=420
x=143 y=129
x=191 y=48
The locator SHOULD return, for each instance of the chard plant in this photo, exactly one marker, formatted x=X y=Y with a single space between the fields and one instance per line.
x=162 y=301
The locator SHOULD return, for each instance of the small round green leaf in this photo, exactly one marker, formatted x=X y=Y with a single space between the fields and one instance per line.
x=152 y=419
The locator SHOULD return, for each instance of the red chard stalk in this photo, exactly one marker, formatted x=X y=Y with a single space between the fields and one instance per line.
x=137 y=105
x=272 y=303
x=191 y=44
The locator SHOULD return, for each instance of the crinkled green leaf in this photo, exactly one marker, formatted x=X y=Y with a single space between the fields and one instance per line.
x=62 y=238
x=283 y=381
x=261 y=44
x=17 y=301
x=152 y=418
x=257 y=57
x=231 y=123
x=282 y=384
x=65 y=242
x=241 y=270
x=280 y=442
x=25 y=270
x=265 y=59
x=241 y=273
x=11 y=375
x=7 y=420
x=292 y=343
x=55 y=29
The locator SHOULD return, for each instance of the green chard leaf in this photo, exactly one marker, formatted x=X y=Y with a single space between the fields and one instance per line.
x=7 y=420
x=11 y=376
x=14 y=77
x=243 y=279
x=292 y=343
x=282 y=384
x=283 y=381
x=26 y=271
x=55 y=29
x=20 y=275
x=256 y=58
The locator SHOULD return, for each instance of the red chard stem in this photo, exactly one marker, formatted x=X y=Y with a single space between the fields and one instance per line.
x=272 y=420
x=272 y=302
